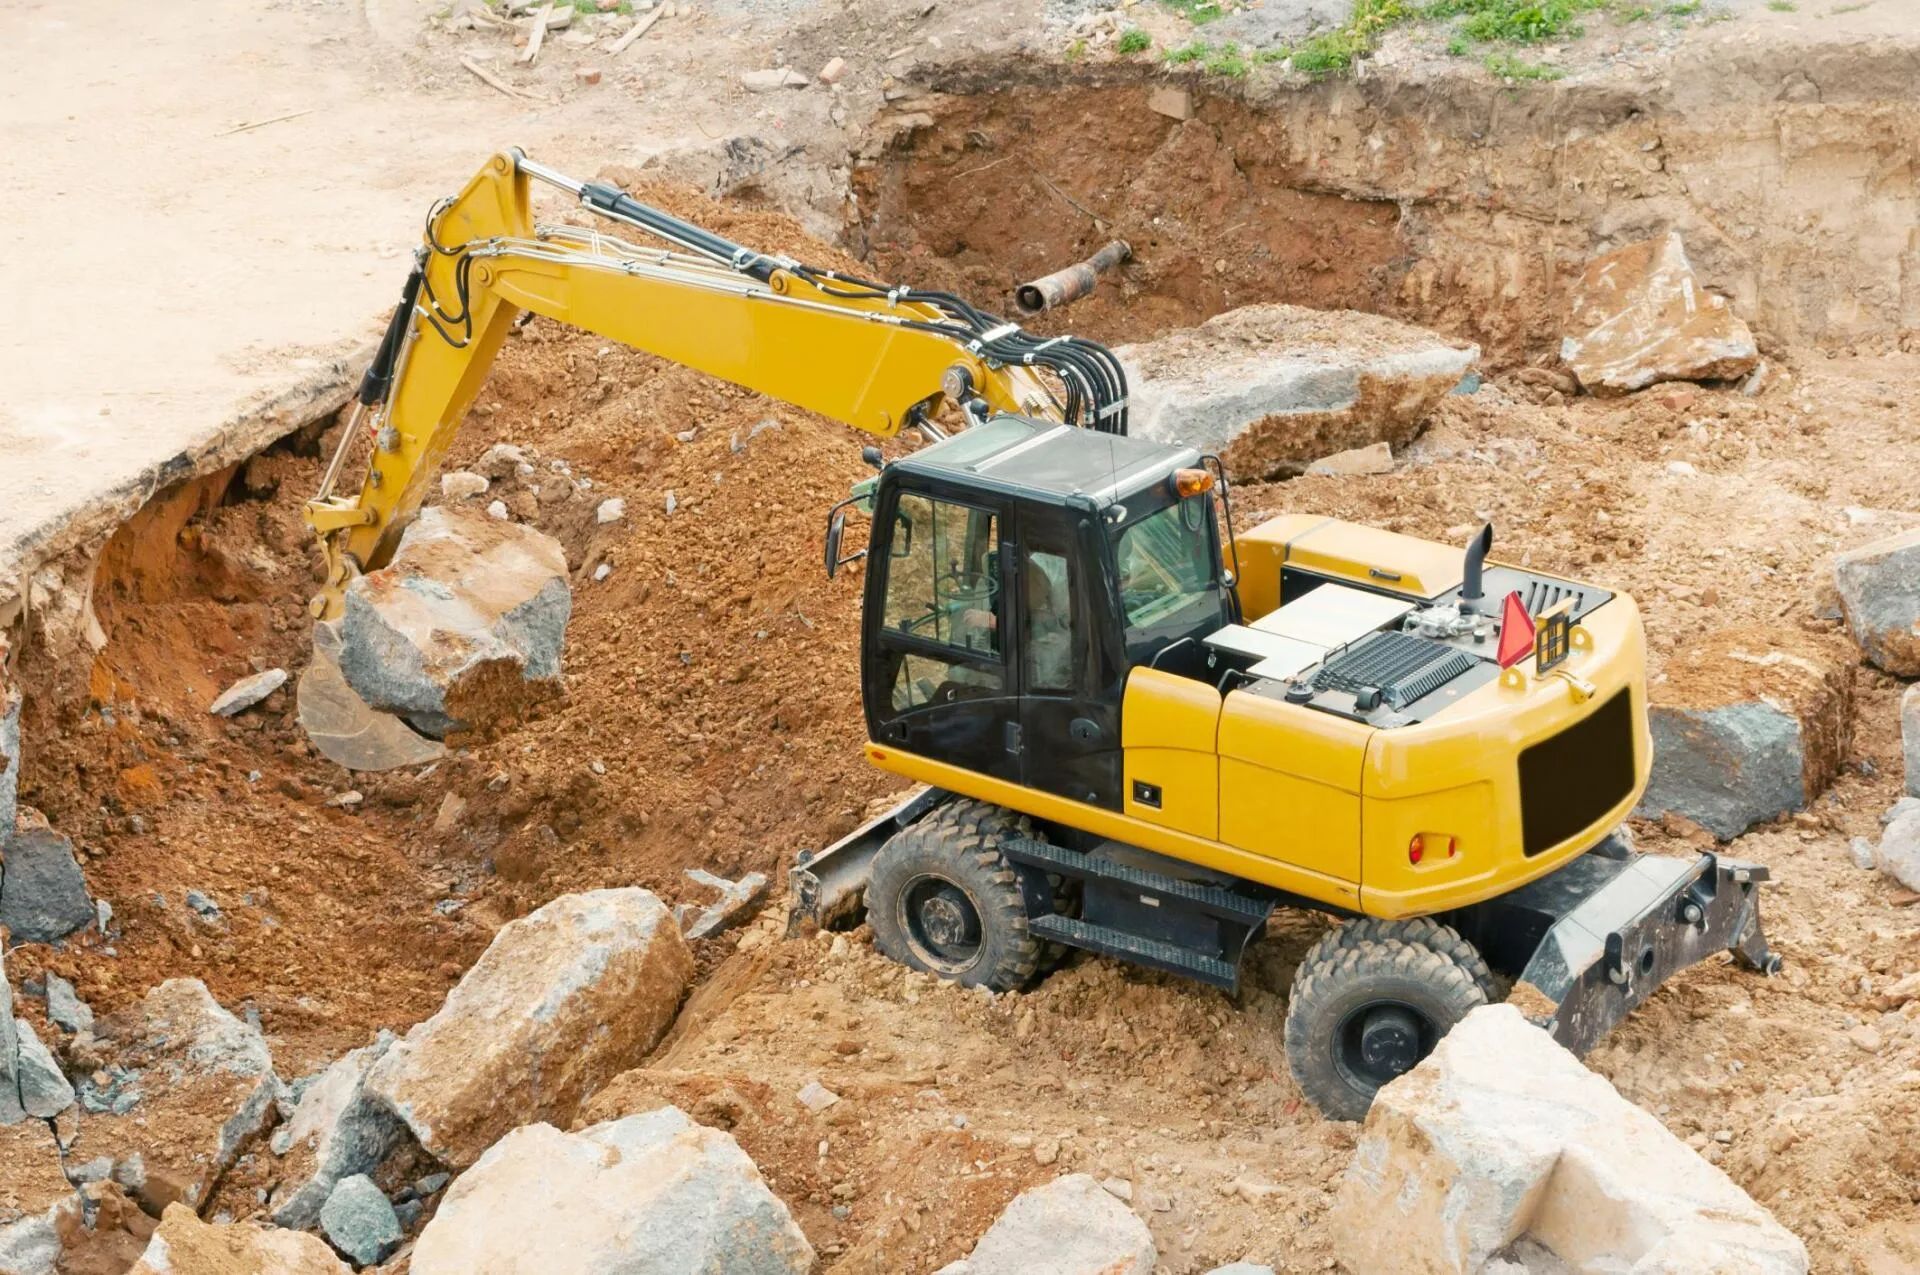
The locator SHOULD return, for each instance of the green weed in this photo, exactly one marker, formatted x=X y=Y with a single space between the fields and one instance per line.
x=1134 y=40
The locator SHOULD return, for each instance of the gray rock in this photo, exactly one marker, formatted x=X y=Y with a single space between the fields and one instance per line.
x=43 y=896
x=203 y=905
x=471 y=611
x=1879 y=588
x=44 y=1091
x=1070 y=1226
x=11 y=1112
x=336 y=1132
x=1899 y=853
x=1270 y=386
x=431 y=1185
x=1910 y=735
x=359 y=1221
x=1899 y=808
x=247 y=692
x=1861 y=851
x=1726 y=768
x=408 y=1213
x=652 y=1194
x=1279 y=23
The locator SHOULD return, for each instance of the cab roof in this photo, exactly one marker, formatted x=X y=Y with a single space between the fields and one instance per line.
x=1045 y=460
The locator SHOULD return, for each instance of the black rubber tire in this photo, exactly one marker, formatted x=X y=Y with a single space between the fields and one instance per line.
x=958 y=844
x=1341 y=979
x=1427 y=932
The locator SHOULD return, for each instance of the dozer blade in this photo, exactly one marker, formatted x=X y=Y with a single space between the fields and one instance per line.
x=348 y=731
x=829 y=887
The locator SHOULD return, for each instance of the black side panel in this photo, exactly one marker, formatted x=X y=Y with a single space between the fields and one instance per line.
x=1575 y=777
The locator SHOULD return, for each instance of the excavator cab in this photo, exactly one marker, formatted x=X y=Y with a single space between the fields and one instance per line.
x=1017 y=572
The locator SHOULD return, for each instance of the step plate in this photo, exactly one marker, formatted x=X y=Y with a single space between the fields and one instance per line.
x=1151 y=952
x=1240 y=908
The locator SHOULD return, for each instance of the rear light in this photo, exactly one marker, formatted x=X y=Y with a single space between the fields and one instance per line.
x=1421 y=843
x=1191 y=482
x=1416 y=849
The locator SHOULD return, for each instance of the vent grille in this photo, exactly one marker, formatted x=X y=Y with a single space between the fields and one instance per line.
x=1404 y=667
x=1542 y=596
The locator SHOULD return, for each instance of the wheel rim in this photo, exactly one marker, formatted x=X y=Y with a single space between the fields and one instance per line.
x=941 y=922
x=1380 y=1041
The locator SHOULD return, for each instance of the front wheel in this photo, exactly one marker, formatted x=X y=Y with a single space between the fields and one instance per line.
x=1365 y=1011
x=942 y=899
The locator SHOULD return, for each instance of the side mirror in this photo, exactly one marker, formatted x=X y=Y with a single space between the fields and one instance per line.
x=873 y=456
x=836 y=528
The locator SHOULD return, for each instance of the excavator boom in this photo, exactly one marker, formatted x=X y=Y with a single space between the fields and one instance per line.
x=878 y=358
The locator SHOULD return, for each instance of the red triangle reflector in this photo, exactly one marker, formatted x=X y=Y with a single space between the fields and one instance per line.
x=1516 y=631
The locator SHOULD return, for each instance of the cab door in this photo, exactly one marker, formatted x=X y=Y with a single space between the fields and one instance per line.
x=1069 y=687
x=937 y=672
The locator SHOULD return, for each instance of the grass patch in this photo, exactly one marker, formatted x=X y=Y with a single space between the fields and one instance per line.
x=589 y=6
x=1783 y=6
x=1198 y=12
x=1188 y=52
x=1266 y=56
x=1515 y=21
x=1227 y=61
x=1076 y=50
x=1509 y=67
x=1134 y=40
x=1685 y=9
x=1837 y=10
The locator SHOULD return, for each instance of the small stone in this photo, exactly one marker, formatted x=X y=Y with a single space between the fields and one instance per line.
x=816 y=1097
x=247 y=692
x=833 y=71
x=1910 y=736
x=346 y=800
x=1046 y=1151
x=1864 y=1038
x=587 y=75
x=503 y=460
x=1861 y=850
x=497 y=511
x=610 y=510
x=65 y=1009
x=358 y=1220
x=673 y=502
x=1899 y=853
x=1174 y=103
x=773 y=80
x=431 y=1185
x=1681 y=469
x=1118 y=1188
x=602 y=571
x=44 y=1091
x=462 y=485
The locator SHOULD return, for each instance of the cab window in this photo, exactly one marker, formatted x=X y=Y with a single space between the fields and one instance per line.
x=943 y=586
x=1169 y=575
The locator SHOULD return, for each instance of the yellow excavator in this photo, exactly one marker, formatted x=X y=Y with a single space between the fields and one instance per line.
x=1140 y=732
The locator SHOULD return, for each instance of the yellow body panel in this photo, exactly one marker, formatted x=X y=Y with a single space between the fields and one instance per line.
x=1290 y=784
x=1344 y=551
x=1169 y=727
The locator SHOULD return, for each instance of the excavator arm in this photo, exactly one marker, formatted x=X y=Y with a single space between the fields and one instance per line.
x=878 y=358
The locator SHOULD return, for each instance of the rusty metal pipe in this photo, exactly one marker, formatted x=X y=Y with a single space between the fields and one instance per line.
x=1063 y=287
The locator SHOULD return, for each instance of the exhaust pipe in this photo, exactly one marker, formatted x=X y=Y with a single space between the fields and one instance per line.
x=1063 y=287
x=1470 y=587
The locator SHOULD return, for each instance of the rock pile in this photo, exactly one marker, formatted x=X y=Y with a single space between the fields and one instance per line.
x=1747 y=727
x=1276 y=387
x=1639 y=317
x=337 y=1131
x=1501 y=1147
x=466 y=624
x=651 y=1194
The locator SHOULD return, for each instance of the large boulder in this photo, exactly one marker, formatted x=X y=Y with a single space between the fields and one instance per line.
x=182 y=1088
x=184 y=1245
x=43 y=894
x=562 y=1000
x=1748 y=726
x=1501 y=1138
x=1639 y=317
x=465 y=626
x=44 y=1091
x=337 y=1131
x=652 y=1194
x=1070 y=1226
x=1276 y=387
x=1879 y=588
x=39 y=1209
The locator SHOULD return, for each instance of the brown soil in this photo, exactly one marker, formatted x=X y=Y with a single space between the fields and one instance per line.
x=711 y=718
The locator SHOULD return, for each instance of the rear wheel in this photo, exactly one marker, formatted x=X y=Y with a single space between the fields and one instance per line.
x=1364 y=1011
x=942 y=899
x=1424 y=931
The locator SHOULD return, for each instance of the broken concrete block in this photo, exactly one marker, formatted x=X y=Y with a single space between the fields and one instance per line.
x=188 y=1087
x=562 y=1000
x=247 y=692
x=652 y=1194
x=465 y=625
x=1640 y=317
x=1748 y=726
x=1276 y=387
x=1910 y=736
x=336 y=1131
x=1501 y=1137
x=184 y=1245
x=1880 y=595
x=1070 y=1226
x=1174 y=103
x=735 y=898
x=359 y=1221
x=1899 y=852
x=44 y=1091
x=38 y=1206
x=1376 y=459
x=462 y=485
x=43 y=896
